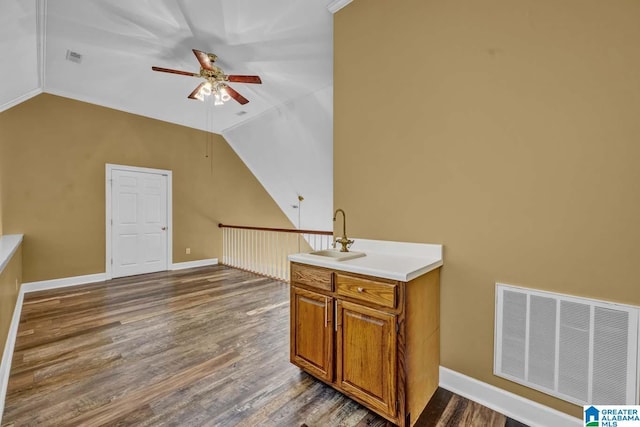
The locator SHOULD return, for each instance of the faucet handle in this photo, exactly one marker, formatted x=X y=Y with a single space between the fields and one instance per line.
x=349 y=243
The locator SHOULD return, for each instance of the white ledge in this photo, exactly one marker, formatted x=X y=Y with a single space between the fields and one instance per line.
x=336 y=5
x=8 y=246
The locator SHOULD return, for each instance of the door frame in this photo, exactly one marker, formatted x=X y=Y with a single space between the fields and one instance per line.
x=109 y=168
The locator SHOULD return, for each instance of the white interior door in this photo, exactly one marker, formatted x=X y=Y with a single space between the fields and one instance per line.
x=139 y=229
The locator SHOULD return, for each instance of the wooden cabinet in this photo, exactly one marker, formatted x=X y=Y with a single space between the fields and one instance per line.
x=366 y=350
x=312 y=332
x=376 y=340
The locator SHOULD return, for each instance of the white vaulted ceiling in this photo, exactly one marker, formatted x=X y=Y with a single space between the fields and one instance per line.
x=288 y=43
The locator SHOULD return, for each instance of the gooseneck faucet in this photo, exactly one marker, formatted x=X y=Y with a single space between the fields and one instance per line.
x=344 y=240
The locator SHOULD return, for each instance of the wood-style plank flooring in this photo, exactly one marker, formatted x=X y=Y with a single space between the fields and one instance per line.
x=201 y=347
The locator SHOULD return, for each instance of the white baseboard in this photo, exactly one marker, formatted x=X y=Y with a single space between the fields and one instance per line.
x=44 y=285
x=194 y=264
x=7 y=354
x=524 y=410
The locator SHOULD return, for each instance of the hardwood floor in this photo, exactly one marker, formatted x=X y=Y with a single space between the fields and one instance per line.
x=207 y=346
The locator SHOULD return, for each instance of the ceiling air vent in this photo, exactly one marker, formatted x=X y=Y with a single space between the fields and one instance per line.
x=74 y=56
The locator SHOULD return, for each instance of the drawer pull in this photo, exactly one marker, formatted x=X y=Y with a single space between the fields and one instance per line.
x=367 y=290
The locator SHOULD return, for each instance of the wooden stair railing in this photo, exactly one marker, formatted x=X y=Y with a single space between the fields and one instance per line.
x=264 y=250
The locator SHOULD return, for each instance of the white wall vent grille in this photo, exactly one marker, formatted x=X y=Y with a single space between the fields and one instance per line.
x=581 y=350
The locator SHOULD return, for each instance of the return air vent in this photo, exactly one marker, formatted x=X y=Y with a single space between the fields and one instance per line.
x=581 y=350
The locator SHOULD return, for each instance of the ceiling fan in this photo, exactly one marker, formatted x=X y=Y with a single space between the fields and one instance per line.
x=216 y=80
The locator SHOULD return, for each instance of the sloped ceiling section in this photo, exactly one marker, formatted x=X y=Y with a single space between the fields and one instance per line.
x=19 y=73
x=288 y=43
x=291 y=148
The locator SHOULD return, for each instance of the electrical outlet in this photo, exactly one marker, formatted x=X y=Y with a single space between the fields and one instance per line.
x=187 y=251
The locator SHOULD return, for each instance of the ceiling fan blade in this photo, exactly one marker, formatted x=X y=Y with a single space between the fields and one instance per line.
x=203 y=59
x=235 y=95
x=244 y=79
x=169 y=70
x=193 y=94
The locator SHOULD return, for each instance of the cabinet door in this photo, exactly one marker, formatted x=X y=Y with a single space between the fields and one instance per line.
x=366 y=355
x=312 y=332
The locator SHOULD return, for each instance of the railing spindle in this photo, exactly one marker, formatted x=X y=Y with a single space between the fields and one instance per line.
x=265 y=250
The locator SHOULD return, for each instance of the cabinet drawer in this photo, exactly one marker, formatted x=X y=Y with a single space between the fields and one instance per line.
x=316 y=277
x=375 y=292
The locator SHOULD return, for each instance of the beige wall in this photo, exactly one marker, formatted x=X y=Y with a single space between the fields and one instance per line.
x=507 y=131
x=10 y=280
x=1 y=156
x=54 y=152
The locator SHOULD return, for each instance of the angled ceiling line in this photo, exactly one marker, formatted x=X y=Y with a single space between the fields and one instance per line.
x=336 y=5
x=39 y=10
x=41 y=34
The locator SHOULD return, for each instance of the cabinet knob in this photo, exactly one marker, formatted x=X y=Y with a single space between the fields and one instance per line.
x=360 y=290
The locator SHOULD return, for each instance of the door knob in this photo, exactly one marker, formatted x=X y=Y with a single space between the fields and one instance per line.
x=164 y=228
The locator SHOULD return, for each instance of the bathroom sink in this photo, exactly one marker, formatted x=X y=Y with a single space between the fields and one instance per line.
x=337 y=255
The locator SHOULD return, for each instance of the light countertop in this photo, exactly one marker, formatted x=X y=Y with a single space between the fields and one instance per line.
x=389 y=260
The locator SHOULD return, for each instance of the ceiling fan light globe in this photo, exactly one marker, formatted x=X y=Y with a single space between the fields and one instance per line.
x=224 y=95
x=217 y=99
x=206 y=89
